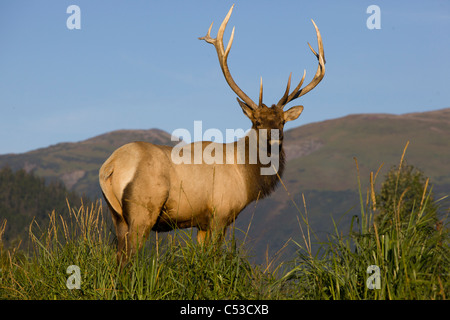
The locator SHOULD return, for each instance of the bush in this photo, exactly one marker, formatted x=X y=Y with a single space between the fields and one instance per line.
x=404 y=192
x=409 y=249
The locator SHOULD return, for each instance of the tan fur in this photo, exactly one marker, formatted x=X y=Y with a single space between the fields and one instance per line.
x=146 y=190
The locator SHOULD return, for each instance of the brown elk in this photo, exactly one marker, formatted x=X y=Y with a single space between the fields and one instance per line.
x=146 y=190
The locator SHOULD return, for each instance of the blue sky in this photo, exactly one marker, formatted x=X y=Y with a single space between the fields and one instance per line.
x=139 y=65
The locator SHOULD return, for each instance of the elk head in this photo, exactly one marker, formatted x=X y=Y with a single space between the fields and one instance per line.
x=261 y=116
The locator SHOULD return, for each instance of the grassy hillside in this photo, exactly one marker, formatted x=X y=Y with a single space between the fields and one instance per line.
x=412 y=263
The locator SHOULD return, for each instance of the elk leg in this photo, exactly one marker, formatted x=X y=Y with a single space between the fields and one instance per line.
x=141 y=211
x=121 y=232
x=121 y=227
x=142 y=220
x=214 y=233
x=202 y=236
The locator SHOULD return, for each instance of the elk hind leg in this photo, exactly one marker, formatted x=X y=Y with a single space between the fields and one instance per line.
x=141 y=216
x=121 y=232
x=140 y=224
x=121 y=227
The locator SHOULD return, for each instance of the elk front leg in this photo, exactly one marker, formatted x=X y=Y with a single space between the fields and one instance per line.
x=214 y=234
x=203 y=236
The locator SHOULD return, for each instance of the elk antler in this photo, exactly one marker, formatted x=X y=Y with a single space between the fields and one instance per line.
x=223 y=55
x=314 y=82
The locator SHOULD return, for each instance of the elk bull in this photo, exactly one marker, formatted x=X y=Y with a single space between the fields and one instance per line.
x=145 y=190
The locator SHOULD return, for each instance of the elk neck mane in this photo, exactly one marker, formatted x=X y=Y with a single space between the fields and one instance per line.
x=258 y=185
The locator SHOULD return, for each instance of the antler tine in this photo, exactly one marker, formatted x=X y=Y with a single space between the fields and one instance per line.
x=283 y=100
x=320 y=73
x=208 y=38
x=222 y=31
x=260 y=93
x=286 y=99
x=222 y=54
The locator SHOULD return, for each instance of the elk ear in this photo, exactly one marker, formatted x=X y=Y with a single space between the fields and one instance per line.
x=293 y=113
x=247 y=110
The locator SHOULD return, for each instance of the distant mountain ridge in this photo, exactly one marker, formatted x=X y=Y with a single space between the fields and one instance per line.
x=320 y=164
x=373 y=139
x=77 y=163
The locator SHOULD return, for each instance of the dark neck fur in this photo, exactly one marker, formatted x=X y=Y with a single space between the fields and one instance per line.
x=260 y=186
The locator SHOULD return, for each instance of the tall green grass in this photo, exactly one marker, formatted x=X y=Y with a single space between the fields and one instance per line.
x=173 y=267
x=413 y=258
x=414 y=261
